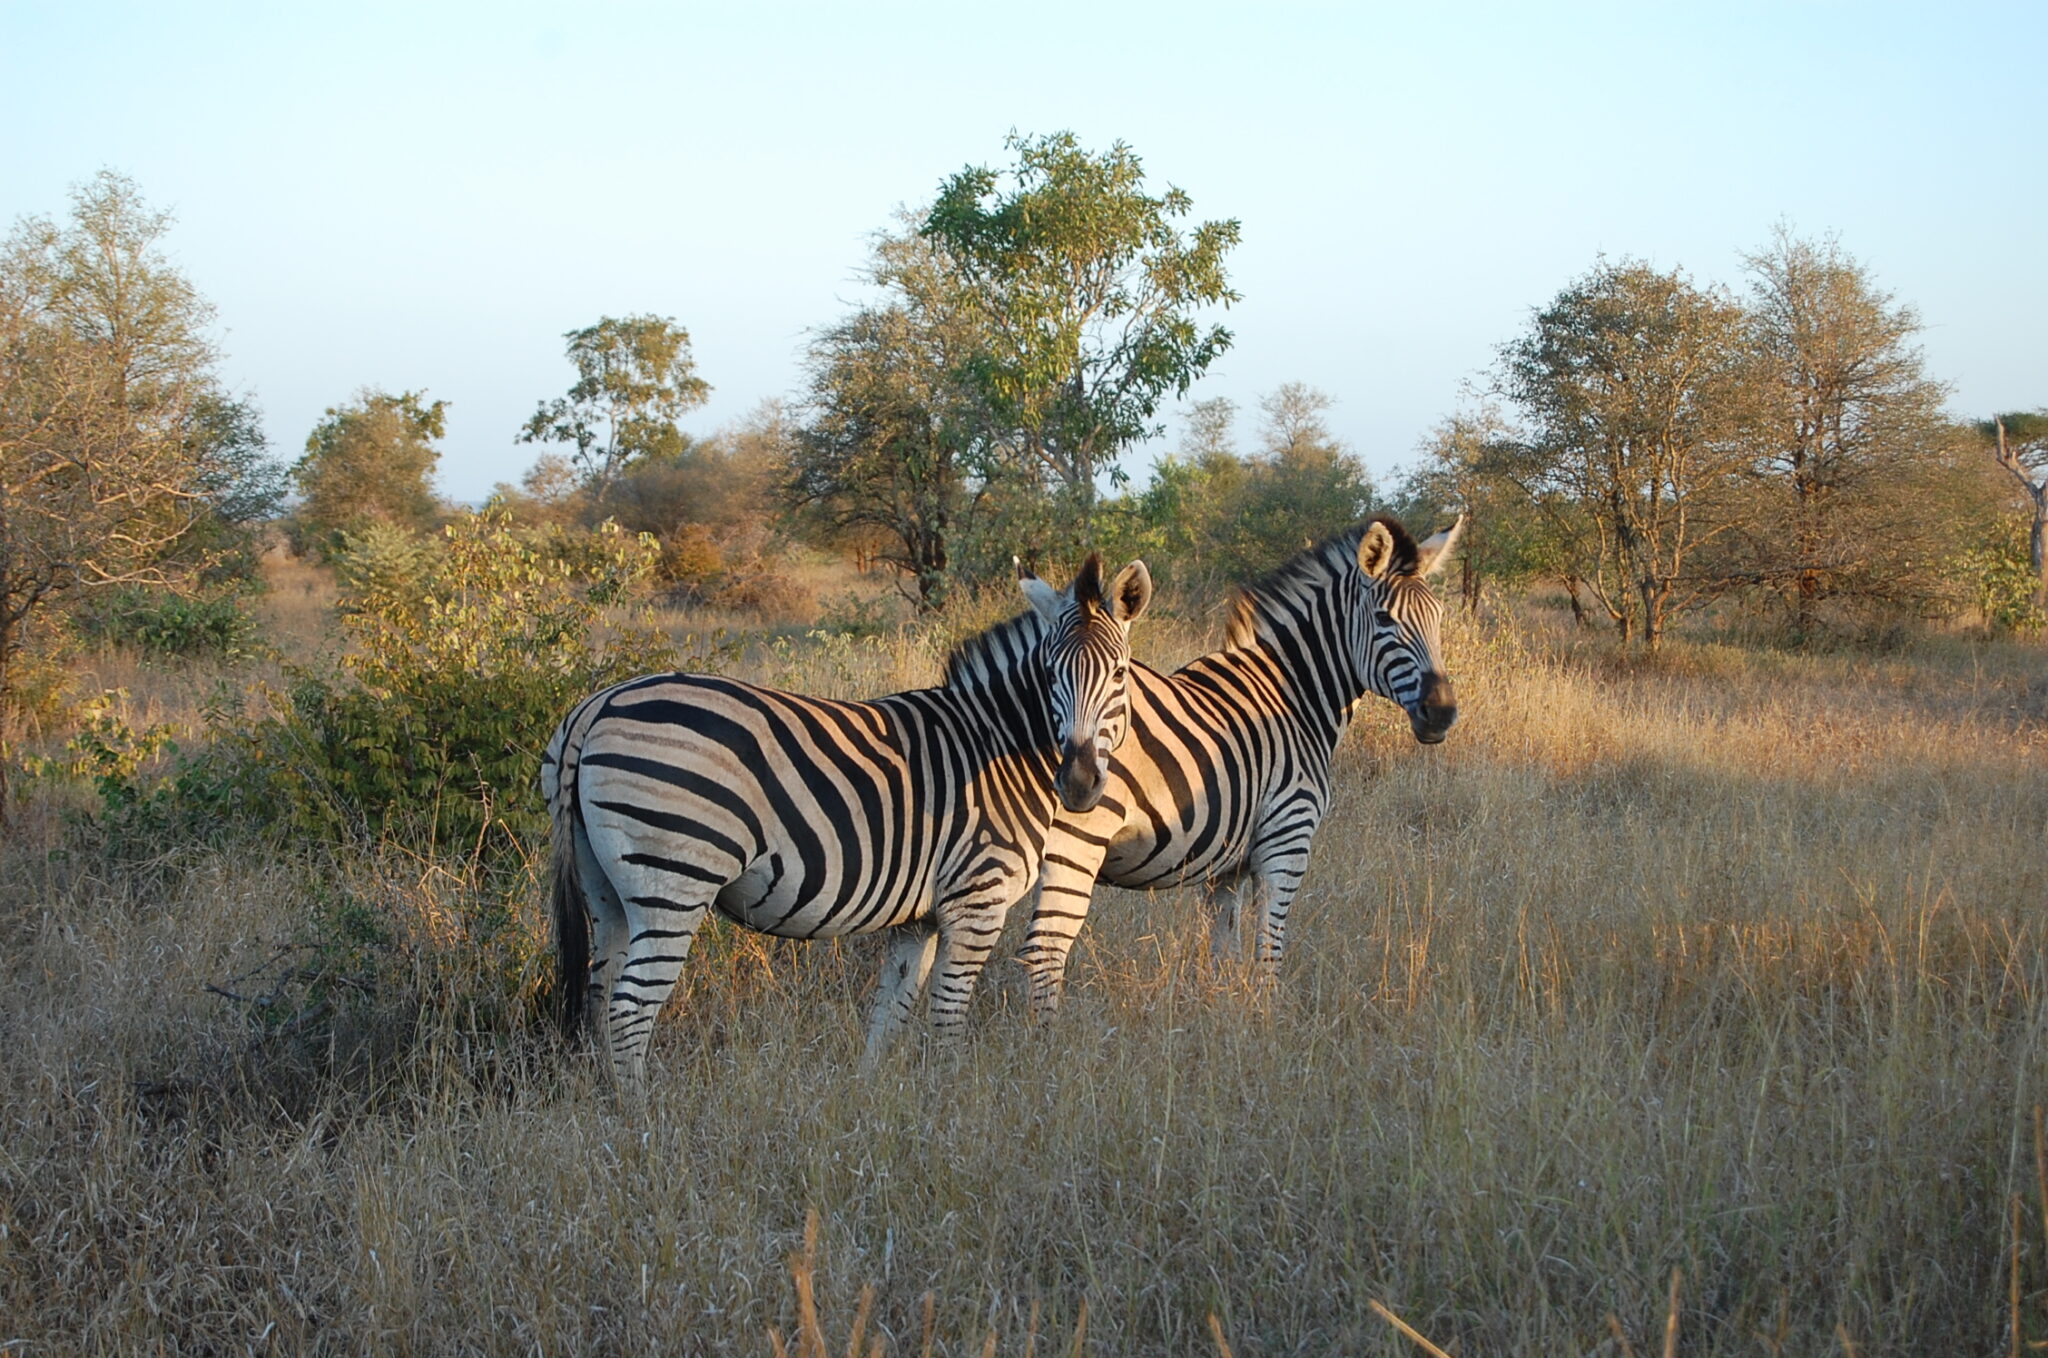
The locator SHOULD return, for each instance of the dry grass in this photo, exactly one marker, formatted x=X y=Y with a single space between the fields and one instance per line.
x=1700 y=1003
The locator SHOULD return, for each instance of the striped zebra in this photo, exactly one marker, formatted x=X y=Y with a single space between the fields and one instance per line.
x=1226 y=774
x=923 y=812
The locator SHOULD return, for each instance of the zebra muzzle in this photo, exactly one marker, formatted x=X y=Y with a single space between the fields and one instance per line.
x=1435 y=712
x=1082 y=776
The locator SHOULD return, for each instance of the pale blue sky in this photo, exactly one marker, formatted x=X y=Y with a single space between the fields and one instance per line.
x=429 y=195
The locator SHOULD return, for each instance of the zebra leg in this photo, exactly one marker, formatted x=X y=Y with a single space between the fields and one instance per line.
x=1278 y=881
x=1221 y=902
x=1066 y=888
x=967 y=935
x=911 y=951
x=661 y=932
x=608 y=936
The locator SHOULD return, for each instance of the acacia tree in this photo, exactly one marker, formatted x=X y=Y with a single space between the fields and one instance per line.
x=635 y=377
x=1085 y=294
x=369 y=461
x=107 y=467
x=1851 y=444
x=1631 y=384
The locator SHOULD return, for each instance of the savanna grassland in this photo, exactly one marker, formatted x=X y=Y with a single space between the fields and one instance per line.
x=1698 y=1001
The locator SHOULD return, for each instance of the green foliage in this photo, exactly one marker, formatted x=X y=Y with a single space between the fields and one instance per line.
x=369 y=461
x=454 y=679
x=2007 y=593
x=634 y=377
x=382 y=563
x=240 y=484
x=1084 y=291
x=1209 y=513
x=1633 y=386
x=151 y=795
x=161 y=623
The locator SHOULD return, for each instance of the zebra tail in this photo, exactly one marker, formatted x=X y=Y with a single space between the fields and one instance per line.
x=572 y=919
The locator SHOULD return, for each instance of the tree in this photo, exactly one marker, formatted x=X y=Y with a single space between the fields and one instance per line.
x=107 y=462
x=1632 y=385
x=889 y=448
x=368 y=461
x=1181 y=518
x=1304 y=486
x=240 y=484
x=1850 y=437
x=1084 y=293
x=634 y=378
x=1517 y=529
x=2019 y=441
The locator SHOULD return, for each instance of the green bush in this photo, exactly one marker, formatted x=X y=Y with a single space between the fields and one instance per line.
x=432 y=729
x=160 y=623
x=384 y=563
x=2005 y=579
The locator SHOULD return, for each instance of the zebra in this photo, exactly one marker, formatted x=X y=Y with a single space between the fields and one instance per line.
x=922 y=812
x=1226 y=773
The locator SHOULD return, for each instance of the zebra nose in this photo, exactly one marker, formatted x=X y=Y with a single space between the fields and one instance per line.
x=1435 y=711
x=1081 y=778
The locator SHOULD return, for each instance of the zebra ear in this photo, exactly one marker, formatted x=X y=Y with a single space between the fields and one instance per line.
x=1130 y=593
x=1043 y=598
x=1376 y=550
x=1436 y=549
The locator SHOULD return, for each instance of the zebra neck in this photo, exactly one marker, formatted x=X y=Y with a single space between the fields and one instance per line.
x=991 y=696
x=1302 y=636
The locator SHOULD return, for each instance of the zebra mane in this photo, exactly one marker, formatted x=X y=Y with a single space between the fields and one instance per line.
x=1327 y=561
x=993 y=653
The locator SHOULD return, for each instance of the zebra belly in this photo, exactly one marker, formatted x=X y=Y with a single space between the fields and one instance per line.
x=770 y=901
x=1138 y=860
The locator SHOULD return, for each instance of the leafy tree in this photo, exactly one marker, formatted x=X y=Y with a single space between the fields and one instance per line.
x=1304 y=486
x=1632 y=384
x=891 y=449
x=1083 y=293
x=1181 y=519
x=107 y=468
x=2019 y=440
x=239 y=482
x=634 y=378
x=1475 y=463
x=549 y=494
x=1851 y=444
x=458 y=666
x=369 y=461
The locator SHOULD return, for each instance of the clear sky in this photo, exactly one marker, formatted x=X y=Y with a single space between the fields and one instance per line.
x=427 y=196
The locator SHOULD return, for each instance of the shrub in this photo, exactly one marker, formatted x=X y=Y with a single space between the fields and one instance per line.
x=433 y=727
x=384 y=563
x=2005 y=579
x=160 y=623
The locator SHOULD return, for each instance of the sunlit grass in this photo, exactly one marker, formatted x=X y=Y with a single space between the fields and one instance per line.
x=1729 y=965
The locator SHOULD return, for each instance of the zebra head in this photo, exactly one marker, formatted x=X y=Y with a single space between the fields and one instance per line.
x=1395 y=640
x=1086 y=649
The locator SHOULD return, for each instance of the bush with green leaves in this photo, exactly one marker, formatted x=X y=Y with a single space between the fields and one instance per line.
x=160 y=623
x=383 y=563
x=454 y=678
x=2005 y=579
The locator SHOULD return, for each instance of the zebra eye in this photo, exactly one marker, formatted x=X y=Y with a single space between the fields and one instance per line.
x=1120 y=672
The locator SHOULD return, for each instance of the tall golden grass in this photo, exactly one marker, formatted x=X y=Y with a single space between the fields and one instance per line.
x=1693 y=1007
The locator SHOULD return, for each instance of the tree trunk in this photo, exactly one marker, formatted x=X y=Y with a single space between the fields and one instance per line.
x=1571 y=589
x=2037 y=537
